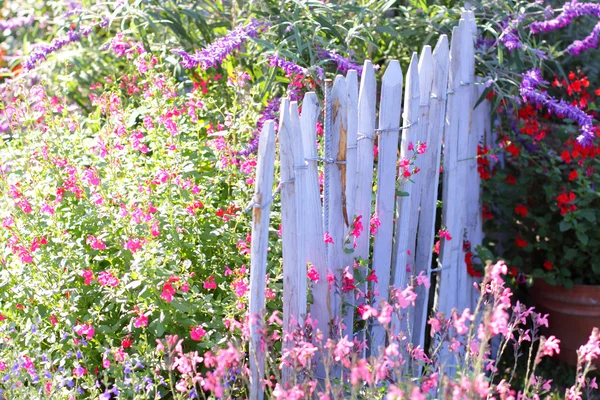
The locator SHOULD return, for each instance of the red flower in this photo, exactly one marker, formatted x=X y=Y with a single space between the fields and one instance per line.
x=469 y=262
x=512 y=271
x=547 y=265
x=372 y=277
x=521 y=242
x=126 y=343
x=521 y=210
x=566 y=156
x=513 y=149
x=563 y=201
x=573 y=175
x=511 y=179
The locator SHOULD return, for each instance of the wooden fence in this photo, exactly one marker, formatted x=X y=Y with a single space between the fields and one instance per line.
x=438 y=109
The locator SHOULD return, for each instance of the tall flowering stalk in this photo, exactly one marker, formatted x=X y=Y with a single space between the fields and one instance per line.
x=214 y=54
x=14 y=23
x=43 y=50
x=572 y=10
x=343 y=64
x=531 y=80
x=289 y=67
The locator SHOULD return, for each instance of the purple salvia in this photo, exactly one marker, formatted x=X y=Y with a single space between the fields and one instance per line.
x=214 y=54
x=289 y=67
x=271 y=111
x=590 y=42
x=343 y=64
x=571 y=10
x=509 y=36
x=531 y=80
x=43 y=50
x=14 y=23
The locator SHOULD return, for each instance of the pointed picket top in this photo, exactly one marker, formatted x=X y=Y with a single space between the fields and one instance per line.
x=405 y=217
x=351 y=160
x=338 y=213
x=455 y=55
x=441 y=55
x=425 y=74
x=313 y=216
x=258 y=266
x=365 y=142
x=390 y=109
x=469 y=16
x=308 y=121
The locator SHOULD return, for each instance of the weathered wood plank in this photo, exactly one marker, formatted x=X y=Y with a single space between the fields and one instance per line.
x=313 y=216
x=390 y=109
x=337 y=190
x=258 y=259
x=430 y=179
x=406 y=218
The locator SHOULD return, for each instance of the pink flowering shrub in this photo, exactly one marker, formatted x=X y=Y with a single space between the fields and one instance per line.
x=120 y=227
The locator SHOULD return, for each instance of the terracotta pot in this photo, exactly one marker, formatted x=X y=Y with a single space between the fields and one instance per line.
x=573 y=314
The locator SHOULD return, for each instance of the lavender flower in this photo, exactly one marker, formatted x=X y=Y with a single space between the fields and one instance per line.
x=509 y=36
x=531 y=80
x=43 y=50
x=270 y=111
x=289 y=67
x=590 y=42
x=343 y=64
x=213 y=54
x=571 y=10
x=15 y=23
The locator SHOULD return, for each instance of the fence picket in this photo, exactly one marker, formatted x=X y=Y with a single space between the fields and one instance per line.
x=406 y=217
x=337 y=183
x=454 y=281
x=292 y=167
x=430 y=178
x=389 y=120
x=350 y=193
x=258 y=263
x=313 y=217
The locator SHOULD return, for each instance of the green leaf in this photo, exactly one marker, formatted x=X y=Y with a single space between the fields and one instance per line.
x=348 y=250
x=588 y=214
x=583 y=238
x=401 y=193
x=565 y=226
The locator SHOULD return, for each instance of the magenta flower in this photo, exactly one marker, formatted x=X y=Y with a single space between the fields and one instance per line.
x=197 y=333
x=106 y=278
x=88 y=276
x=95 y=243
x=141 y=321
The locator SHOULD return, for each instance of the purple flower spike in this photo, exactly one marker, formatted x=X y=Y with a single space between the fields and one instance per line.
x=531 y=80
x=571 y=10
x=214 y=54
x=288 y=66
x=270 y=111
x=14 y=23
x=343 y=64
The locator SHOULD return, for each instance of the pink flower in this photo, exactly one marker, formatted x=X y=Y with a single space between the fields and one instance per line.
x=405 y=297
x=460 y=322
x=79 y=371
x=85 y=330
x=90 y=177
x=357 y=228
x=95 y=243
x=168 y=292
x=591 y=350
x=549 y=347
x=386 y=314
x=141 y=321
x=239 y=287
x=197 y=333
x=327 y=238
x=541 y=320
x=444 y=234
x=106 y=278
x=2 y=366
x=134 y=244
x=374 y=224
x=88 y=276
x=53 y=320
x=313 y=274
x=210 y=283
x=435 y=324
x=106 y=363
x=421 y=147
x=360 y=371
x=423 y=280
